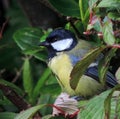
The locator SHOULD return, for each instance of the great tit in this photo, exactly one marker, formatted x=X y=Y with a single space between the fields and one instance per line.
x=64 y=52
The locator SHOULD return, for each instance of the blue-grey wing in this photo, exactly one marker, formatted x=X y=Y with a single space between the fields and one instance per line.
x=110 y=79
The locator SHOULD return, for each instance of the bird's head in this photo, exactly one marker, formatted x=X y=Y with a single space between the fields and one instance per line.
x=59 y=40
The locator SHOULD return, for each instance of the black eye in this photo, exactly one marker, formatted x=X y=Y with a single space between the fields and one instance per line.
x=53 y=39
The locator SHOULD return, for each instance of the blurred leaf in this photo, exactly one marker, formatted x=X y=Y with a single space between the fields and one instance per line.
x=47 y=117
x=95 y=24
x=92 y=3
x=9 y=52
x=108 y=32
x=108 y=101
x=27 y=78
x=28 y=39
x=84 y=11
x=51 y=88
x=81 y=66
x=4 y=102
x=7 y=115
x=117 y=74
x=41 y=83
x=118 y=108
x=27 y=114
x=109 y=3
x=104 y=65
x=66 y=7
x=7 y=105
x=114 y=16
x=113 y=108
x=58 y=117
x=78 y=25
x=86 y=18
x=43 y=56
x=94 y=109
x=12 y=85
x=51 y=80
x=46 y=33
x=46 y=99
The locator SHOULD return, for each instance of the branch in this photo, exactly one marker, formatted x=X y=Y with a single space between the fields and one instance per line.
x=17 y=100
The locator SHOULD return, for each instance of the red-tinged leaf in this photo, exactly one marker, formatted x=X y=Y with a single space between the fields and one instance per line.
x=81 y=66
x=65 y=105
x=108 y=34
x=95 y=23
x=92 y=3
x=115 y=46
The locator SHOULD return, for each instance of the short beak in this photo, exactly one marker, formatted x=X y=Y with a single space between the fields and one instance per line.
x=44 y=43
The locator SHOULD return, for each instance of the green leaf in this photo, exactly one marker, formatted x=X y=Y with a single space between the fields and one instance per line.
x=27 y=114
x=51 y=88
x=27 y=78
x=41 y=82
x=108 y=101
x=103 y=65
x=47 y=117
x=114 y=15
x=7 y=115
x=108 y=32
x=92 y=3
x=84 y=11
x=43 y=56
x=28 y=39
x=47 y=99
x=118 y=108
x=102 y=106
x=94 y=109
x=81 y=66
x=97 y=24
x=66 y=7
x=113 y=108
x=12 y=85
x=117 y=74
x=109 y=3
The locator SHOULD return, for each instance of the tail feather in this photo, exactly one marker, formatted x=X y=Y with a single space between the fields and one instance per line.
x=110 y=79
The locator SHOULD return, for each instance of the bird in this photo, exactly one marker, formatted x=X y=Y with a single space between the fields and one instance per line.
x=64 y=51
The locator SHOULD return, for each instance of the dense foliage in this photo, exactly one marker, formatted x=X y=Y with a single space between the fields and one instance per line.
x=33 y=85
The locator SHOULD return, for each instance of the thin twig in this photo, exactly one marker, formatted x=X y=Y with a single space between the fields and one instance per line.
x=18 y=73
x=16 y=99
x=3 y=27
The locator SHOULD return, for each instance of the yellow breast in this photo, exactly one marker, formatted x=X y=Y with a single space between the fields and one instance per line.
x=62 y=67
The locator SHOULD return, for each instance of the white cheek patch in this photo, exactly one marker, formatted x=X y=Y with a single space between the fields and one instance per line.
x=62 y=44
